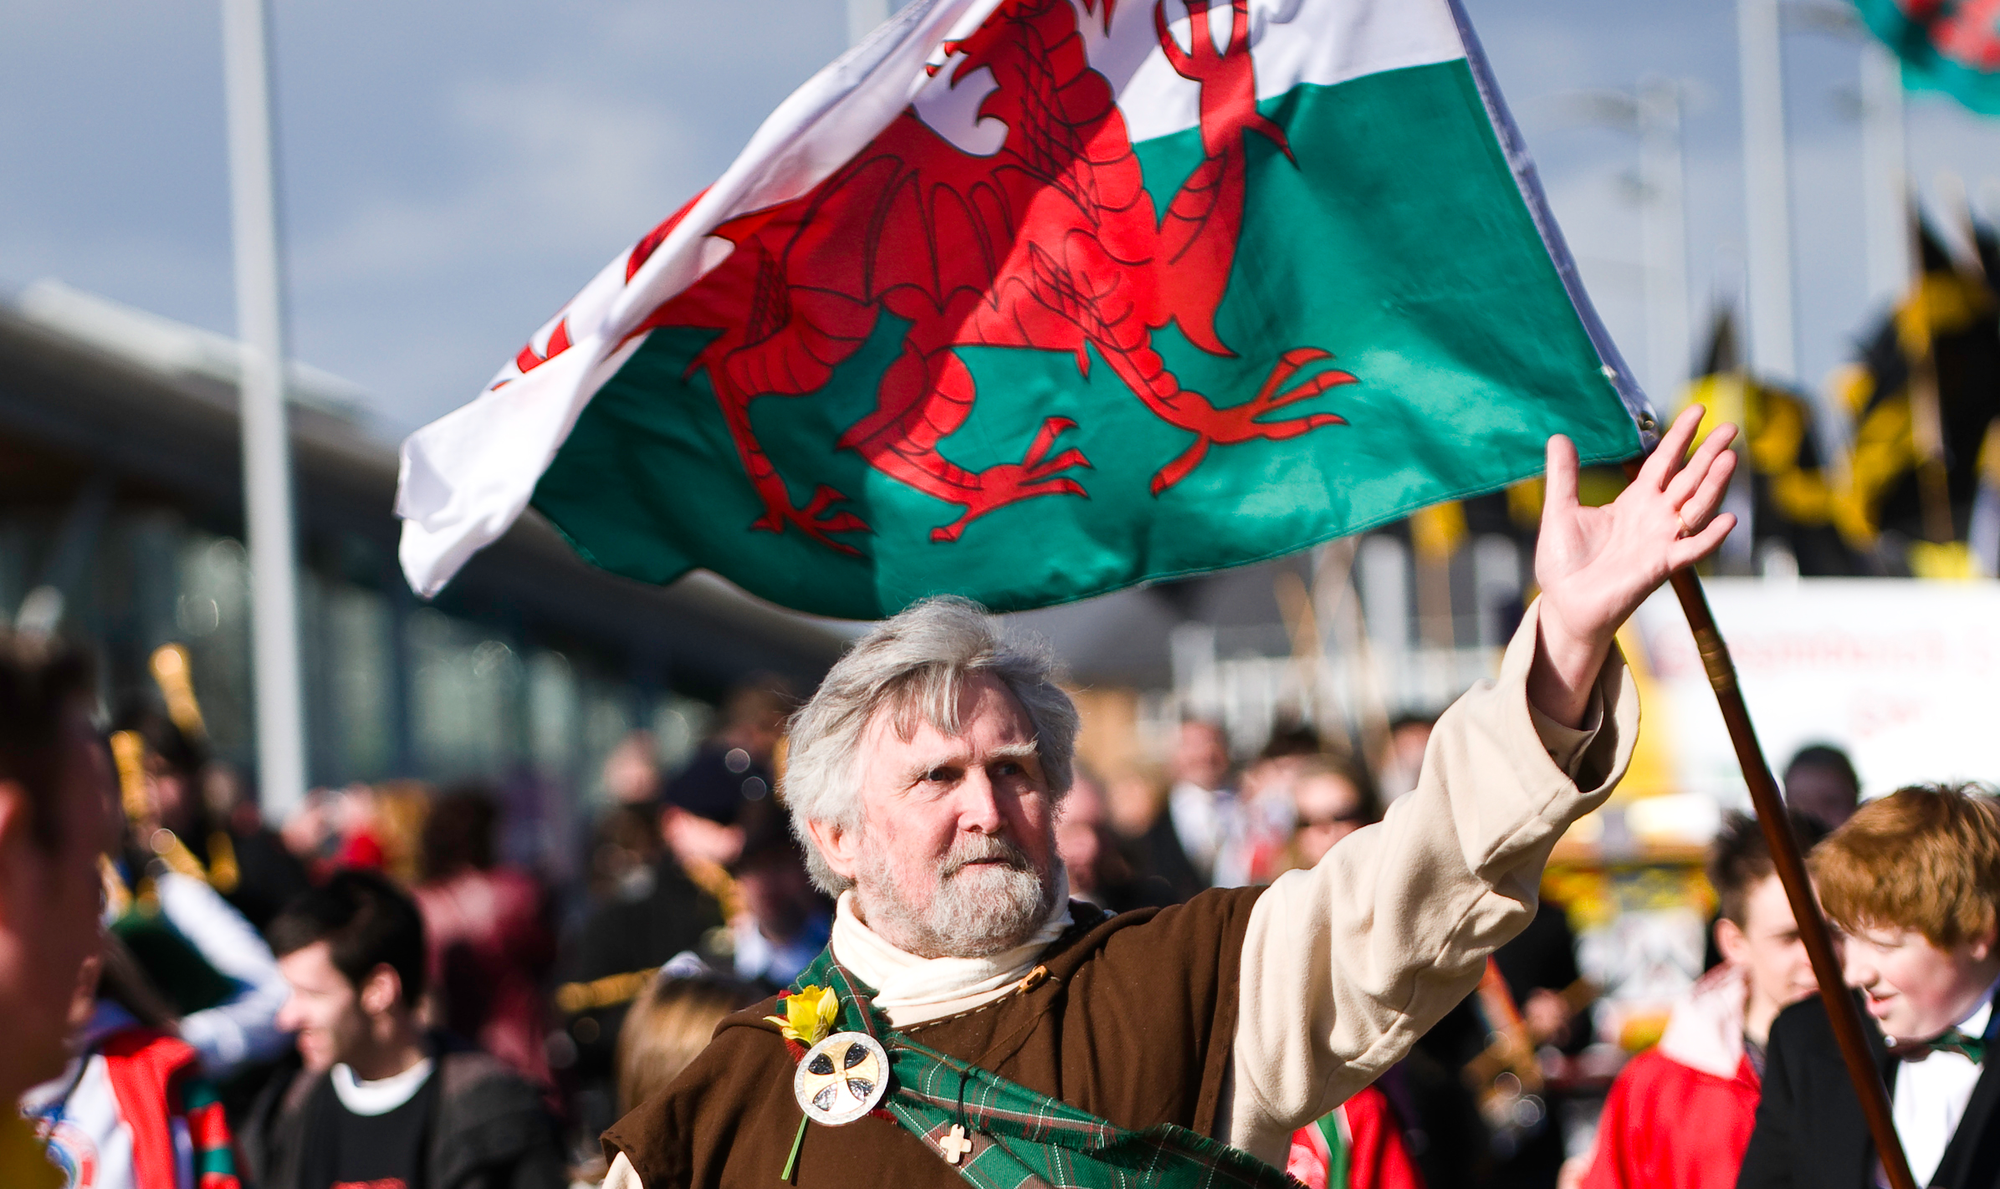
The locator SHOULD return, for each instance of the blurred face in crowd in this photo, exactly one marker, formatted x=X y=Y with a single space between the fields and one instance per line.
x=1915 y=989
x=49 y=905
x=1767 y=948
x=956 y=849
x=1132 y=804
x=334 y=1021
x=1201 y=756
x=694 y=839
x=1273 y=778
x=173 y=795
x=632 y=771
x=1821 y=792
x=1408 y=741
x=761 y=734
x=1080 y=834
x=754 y=719
x=777 y=894
x=222 y=793
x=1329 y=810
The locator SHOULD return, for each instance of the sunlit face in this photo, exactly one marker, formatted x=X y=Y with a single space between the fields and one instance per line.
x=955 y=855
x=324 y=1010
x=1767 y=947
x=1915 y=989
x=1329 y=810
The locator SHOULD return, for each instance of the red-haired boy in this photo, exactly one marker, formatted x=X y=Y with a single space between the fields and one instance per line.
x=1914 y=880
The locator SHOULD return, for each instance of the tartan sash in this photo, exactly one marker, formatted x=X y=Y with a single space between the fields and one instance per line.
x=1023 y=1139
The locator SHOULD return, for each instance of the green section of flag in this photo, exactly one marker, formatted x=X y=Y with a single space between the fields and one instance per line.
x=1954 y=48
x=1399 y=243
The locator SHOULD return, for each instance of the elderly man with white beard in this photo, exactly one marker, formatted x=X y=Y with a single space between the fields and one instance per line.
x=969 y=1021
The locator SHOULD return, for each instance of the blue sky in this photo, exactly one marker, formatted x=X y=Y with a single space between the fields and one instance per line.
x=451 y=173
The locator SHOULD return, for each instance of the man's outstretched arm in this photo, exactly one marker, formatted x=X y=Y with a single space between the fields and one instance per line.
x=1347 y=964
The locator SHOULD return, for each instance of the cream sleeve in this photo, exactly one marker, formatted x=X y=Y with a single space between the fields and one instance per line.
x=622 y=1175
x=1346 y=965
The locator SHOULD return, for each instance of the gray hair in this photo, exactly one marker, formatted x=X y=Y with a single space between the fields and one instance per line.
x=912 y=668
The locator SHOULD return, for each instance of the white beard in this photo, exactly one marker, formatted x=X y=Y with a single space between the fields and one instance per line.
x=971 y=911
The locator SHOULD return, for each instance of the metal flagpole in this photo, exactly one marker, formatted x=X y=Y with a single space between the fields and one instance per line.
x=1885 y=175
x=1663 y=230
x=1767 y=191
x=267 y=479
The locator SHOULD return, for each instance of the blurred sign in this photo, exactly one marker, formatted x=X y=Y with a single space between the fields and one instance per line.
x=1640 y=929
x=1903 y=675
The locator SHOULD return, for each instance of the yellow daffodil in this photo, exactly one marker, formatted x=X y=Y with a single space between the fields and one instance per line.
x=809 y=1014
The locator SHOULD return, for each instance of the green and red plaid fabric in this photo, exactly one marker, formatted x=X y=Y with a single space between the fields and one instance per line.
x=214 y=1149
x=1025 y=1140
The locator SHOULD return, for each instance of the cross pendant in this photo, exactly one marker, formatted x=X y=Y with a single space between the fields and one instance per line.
x=954 y=1145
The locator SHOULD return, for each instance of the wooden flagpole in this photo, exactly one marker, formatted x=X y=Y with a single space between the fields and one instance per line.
x=1791 y=868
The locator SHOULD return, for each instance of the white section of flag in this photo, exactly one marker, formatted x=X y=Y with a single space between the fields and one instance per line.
x=1292 y=42
x=468 y=476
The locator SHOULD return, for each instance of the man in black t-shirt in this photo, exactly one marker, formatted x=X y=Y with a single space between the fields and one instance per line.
x=379 y=1103
x=361 y=1134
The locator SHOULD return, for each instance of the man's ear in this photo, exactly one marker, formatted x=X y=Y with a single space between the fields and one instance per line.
x=1983 y=946
x=839 y=846
x=1729 y=939
x=381 y=990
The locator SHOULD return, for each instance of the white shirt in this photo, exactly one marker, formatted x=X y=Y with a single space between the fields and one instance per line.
x=383 y=1095
x=776 y=962
x=1203 y=820
x=1931 y=1095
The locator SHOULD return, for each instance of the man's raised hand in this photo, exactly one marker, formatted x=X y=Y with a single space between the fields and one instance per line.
x=1596 y=565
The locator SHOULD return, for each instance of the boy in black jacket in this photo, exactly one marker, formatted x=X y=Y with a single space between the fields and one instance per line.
x=1914 y=880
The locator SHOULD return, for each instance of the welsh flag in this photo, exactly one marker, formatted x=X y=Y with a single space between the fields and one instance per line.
x=1946 y=45
x=1029 y=300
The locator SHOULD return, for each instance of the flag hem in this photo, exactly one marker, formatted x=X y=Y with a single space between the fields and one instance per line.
x=1527 y=179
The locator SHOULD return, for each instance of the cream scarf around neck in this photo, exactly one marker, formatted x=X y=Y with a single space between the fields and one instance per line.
x=912 y=989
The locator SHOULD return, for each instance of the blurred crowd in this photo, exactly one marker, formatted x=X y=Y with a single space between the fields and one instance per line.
x=368 y=994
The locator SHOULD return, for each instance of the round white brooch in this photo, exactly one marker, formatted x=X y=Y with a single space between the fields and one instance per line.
x=841 y=1078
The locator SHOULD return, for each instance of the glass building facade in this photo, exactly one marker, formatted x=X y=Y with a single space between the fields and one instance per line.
x=119 y=503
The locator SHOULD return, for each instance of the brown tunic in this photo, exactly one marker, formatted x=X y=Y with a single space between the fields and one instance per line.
x=1133 y=1023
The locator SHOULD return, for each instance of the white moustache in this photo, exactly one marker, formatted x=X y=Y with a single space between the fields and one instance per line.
x=981 y=848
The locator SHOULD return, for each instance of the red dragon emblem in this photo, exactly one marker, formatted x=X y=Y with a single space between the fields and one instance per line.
x=1051 y=243
x=1966 y=32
